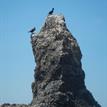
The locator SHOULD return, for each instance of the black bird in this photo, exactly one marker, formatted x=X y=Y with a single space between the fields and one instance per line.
x=32 y=30
x=51 y=12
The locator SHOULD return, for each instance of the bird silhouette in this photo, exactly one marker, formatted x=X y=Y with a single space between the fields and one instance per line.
x=32 y=30
x=51 y=12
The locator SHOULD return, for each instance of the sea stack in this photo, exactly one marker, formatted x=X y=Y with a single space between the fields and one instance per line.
x=58 y=75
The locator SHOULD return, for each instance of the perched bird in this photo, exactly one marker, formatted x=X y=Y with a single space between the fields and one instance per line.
x=51 y=12
x=32 y=30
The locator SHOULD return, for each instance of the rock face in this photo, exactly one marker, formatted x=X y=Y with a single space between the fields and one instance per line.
x=58 y=78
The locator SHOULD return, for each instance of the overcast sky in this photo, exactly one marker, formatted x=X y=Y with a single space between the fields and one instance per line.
x=86 y=19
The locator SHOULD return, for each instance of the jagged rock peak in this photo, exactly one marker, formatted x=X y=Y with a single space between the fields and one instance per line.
x=54 y=21
x=54 y=29
x=59 y=77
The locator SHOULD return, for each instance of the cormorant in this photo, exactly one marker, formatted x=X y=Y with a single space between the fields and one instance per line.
x=32 y=30
x=51 y=11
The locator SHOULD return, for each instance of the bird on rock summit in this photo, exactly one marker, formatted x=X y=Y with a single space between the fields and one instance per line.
x=51 y=12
